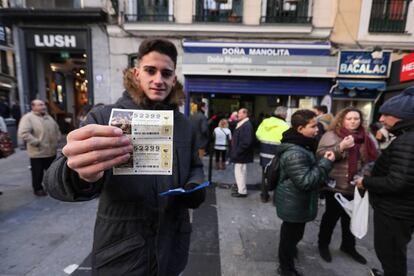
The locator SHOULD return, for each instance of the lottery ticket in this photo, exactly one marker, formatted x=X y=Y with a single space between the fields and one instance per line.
x=151 y=134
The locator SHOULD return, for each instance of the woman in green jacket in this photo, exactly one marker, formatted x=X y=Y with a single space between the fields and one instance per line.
x=296 y=195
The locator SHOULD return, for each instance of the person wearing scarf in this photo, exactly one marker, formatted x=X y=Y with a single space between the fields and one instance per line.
x=300 y=176
x=353 y=149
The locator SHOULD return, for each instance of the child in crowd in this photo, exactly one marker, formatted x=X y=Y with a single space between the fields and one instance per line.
x=296 y=195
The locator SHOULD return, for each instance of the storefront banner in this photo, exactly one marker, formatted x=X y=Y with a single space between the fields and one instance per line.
x=361 y=64
x=56 y=39
x=407 y=68
x=257 y=65
x=257 y=49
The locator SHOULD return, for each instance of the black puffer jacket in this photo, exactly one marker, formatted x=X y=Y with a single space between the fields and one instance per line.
x=137 y=232
x=391 y=185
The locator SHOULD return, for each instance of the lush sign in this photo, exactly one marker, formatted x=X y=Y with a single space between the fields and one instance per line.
x=56 y=39
x=361 y=64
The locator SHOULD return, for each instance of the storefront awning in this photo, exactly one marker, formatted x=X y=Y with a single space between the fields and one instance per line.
x=259 y=86
x=361 y=85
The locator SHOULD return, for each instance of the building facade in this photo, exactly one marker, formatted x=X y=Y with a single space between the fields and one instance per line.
x=372 y=34
x=232 y=53
x=55 y=43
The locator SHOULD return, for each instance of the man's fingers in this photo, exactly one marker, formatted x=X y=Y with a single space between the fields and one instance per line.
x=93 y=157
x=90 y=172
x=94 y=144
x=93 y=130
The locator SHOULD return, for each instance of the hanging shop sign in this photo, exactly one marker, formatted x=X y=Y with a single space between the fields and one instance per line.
x=258 y=59
x=407 y=68
x=56 y=39
x=362 y=64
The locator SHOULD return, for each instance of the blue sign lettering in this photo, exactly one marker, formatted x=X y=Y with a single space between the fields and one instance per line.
x=363 y=64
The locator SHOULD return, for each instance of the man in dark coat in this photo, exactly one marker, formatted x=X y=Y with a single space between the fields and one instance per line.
x=137 y=232
x=242 y=151
x=200 y=125
x=391 y=186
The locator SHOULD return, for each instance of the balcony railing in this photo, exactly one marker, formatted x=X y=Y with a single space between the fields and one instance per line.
x=222 y=18
x=388 y=16
x=287 y=18
x=149 y=18
x=284 y=11
x=221 y=11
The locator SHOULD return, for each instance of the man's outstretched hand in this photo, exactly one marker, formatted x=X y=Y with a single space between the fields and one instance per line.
x=92 y=149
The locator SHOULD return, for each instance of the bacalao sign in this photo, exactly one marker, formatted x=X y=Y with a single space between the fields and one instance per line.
x=362 y=64
x=56 y=39
x=407 y=68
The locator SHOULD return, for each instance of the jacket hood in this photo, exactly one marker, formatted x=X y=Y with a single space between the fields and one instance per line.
x=126 y=102
x=273 y=123
x=286 y=147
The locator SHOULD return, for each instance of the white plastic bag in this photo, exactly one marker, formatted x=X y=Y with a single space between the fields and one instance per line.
x=359 y=219
x=348 y=205
x=358 y=210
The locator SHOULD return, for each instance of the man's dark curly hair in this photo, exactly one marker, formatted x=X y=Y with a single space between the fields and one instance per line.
x=159 y=45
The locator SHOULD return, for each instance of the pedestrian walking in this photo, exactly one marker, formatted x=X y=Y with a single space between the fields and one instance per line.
x=269 y=133
x=222 y=140
x=296 y=195
x=41 y=134
x=353 y=148
x=242 y=151
x=137 y=232
x=200 y=125
x=391 y=185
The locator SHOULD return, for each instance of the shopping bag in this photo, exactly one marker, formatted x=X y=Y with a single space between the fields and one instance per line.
x=360 y=212
x=345 y=203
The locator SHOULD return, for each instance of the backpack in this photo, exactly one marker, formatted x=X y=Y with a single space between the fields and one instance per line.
x=272 y=172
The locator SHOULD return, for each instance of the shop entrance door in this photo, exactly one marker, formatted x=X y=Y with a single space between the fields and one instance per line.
x=60 y=79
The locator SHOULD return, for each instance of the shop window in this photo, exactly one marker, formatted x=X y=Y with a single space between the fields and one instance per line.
x=229 y=11
x=287 y=11
x=388 y=16
x=149 y=10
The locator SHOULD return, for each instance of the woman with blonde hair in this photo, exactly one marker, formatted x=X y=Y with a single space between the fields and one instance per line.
x=353 y=148
x=222 y=135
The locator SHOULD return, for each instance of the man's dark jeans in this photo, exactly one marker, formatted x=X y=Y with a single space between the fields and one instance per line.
x=39 y=166
x=391 y=236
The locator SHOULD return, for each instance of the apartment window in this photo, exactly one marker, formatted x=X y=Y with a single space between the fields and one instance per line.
x=149 y=10
x=388 y=16
x=229 y=11
x=287 y=11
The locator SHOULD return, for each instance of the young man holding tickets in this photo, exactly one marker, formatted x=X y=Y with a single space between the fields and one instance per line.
x=137 y=232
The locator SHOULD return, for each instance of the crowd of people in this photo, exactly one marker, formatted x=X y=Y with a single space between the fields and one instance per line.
x=321 y=155
x=139 y=233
